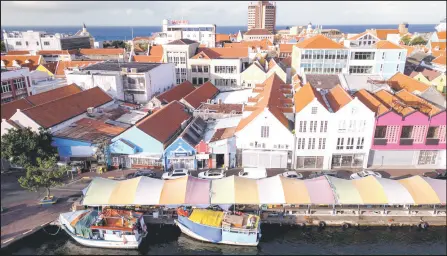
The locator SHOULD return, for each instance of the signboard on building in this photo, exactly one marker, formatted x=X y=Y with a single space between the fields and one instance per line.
x=178 y=22
x=202 y=156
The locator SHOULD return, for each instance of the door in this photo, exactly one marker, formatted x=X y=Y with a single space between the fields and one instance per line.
x=267 y=159
x=390 y=157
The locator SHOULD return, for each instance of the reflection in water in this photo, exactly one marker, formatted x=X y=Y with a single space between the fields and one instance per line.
x=275 y=240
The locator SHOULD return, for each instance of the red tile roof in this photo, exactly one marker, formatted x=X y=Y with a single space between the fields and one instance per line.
x=50 y=66
x=223 y=133
x=441 y=35
x=145 y=58
x=285 y=47
x=57 y=52
x=104 y=51
x=384 y=44
x=417 y=103
x=438 y=46
x=200 y=95
x=222 y=37
x=383 y=33
x=62 y=65
x=164 y=123
x=441 y=60
x=18 y=52
x=10 y=108
x=391 y=101
x=306 y=95
x=371 y=102
x=338 y=97
x=319 y=42
x=221 y=53
x=176 y=93
x=258 y=31
x=263 y=44
x=400 y=81
x=222 y=108
x=62 y=109
x=430 y=74
x=21 y=60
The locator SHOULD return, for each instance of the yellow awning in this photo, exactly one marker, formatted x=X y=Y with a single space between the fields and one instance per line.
x=222 y=191
x=420 y=190
x=174 y=191
x=295 y=191
x=370 y=190
x=124 y=192
x=207 y=217
x=245 y=190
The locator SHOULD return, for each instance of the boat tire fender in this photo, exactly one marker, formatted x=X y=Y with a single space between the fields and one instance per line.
x=423 y=225
x=346 y=225
x=322 y=224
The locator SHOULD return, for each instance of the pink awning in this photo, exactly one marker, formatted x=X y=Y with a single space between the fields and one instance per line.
x=197 y=191
x=320 y=192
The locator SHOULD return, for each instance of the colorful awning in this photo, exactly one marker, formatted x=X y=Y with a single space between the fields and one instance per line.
x=420 y=190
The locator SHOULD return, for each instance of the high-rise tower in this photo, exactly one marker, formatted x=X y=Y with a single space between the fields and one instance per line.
x=262 y=14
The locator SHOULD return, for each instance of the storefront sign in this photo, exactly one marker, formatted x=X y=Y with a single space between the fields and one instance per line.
x=202 y=156
x=179 y=22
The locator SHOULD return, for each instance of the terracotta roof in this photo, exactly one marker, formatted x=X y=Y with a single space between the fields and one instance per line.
x=417 y=103
x=305 y=96
x=430 y=74
x=338 y=97
x=360 y=35
x=441 y=60
x=104 y=51
x=319 y=42
x=221 y=53
x=384 y=44
x=88 y=129
x=383 y=33
x=438 y=46
x=287 y=61
x=400 y=81
x=176 y=93
x=263 y=44
x=391 y=101
x=62 y=109
x=441 y=35
x=145 y=58
x=183 y=41
x=270 y=97
x=437 y=53
x=156 y=50
x=18 y=52
x=410 y=49
x=222 y=108
x=203 y=93
x=164 y=123
x=258 y=31
x=223 y=133
x=62 y=65
x=21 y=60
x=10 y=108
x=285 y=47
x=54 y=94
x=222 y=37
x=57 y=52
x=50 y=66
x=371 y=102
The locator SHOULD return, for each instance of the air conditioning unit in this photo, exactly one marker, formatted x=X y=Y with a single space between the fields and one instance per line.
x=208 y=101
x=133 y=70
x=124 y=70
x=90 y=111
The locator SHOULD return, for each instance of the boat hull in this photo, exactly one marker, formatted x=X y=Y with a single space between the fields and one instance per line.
x=189 y=233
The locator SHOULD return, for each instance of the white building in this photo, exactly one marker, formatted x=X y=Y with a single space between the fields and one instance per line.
x=38 y=40
x=173 y=30
x=441 y=26
x=41 y=82
x=131 y=82
x=221 y=66
x=264 y=135
x=179 y=52
x=332 y=129
x=257 y=34
x=15 y=84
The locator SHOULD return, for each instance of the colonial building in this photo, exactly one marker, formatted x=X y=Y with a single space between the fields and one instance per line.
x=181 y=29
x=179 y=52
x=257 y=34
x=175 y=93
x=16 y=84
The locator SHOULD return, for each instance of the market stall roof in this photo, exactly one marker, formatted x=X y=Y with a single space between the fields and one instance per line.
x=320 y=191
x=370 y=190
x=395 y=192
x=420 y=190
x=270 y=191
x=439 y=186
x=124 y=192
x=148 y=191
x=295 y=191
x=174 y=191
x=234 y=190
x=345 y=191
x=197 y=191
x=99 y=191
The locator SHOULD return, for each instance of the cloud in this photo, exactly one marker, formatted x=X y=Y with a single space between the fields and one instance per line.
x=221 y=13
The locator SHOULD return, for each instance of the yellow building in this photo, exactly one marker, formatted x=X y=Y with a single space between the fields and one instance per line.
x=430 y=77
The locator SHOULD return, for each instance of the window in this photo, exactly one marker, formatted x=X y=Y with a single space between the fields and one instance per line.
x=350 y=144
x=6 y=86
x=314 y=110
x=194 y=68
x=380 y=132
x=46 y=43
x=26 y=42
x=342 y=126
x=225 y=69
x=18 y=43
x=322 y=143
x=302 y=126
x=200 y=80
x=313 y=126
x=381 y=67
x=397 y=67
x=309 y=162
x=360 y=142
x=406 y=132
x=362 y=56
x=433 y=132
x=360 y=69
x=383 y=55
x=301 y=143
x=353 y=111
x=37 y=43
x=19 y=83
x=427 y=157
x=264 y=131
x=205 y=79
x=400 y=55
x=351 y=126
x=340 y=143
x=392 y=133
x=311 y=143
x=194 y=80
x=362 y=126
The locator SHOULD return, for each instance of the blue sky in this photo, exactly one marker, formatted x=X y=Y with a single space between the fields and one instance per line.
x=221 y=13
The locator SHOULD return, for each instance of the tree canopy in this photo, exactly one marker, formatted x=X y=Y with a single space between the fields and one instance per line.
x=406 y=40
x=23 y=147
x=3 y=47
x=418 y=41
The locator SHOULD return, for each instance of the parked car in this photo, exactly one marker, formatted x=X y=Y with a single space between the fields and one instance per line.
x=318 y=174
x=175 y=174
x=253 y=173
x=291 y=174
x=212 y=174
x=365 y=173
x=143 y=172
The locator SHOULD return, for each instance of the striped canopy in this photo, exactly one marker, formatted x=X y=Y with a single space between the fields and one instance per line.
x=324 y=190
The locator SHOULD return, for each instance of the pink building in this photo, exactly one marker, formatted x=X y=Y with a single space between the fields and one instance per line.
x=409 y=131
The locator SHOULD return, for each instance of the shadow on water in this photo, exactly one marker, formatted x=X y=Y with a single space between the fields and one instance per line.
x=276 y=239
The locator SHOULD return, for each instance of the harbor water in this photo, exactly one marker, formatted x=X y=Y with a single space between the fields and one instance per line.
x=287 y=240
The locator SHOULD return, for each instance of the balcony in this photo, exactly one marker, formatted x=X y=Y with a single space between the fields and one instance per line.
x=380 y=141
x=406 y=141
x=432 y=142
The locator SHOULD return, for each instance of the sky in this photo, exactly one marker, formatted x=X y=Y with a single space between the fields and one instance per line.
x=222 y=13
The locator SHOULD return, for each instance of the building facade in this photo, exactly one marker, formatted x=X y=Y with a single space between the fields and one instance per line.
x=16 y=84
x=262 y=14
x=173 y=30
x=179 y=52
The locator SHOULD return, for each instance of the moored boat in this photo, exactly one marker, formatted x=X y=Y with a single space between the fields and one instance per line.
x=111 y=228
x=220 y=227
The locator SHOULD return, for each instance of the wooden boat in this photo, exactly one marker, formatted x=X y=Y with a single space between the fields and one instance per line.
x=220 y=227
x=111 y=228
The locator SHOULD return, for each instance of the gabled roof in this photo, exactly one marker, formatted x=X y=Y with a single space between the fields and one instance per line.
x=271 y=97
x=103 y=51
x=338 y=97
x=62 y=65
x=176 y=93
x=319 y=42
x=360 y=35
x=59 y=110
x=285 y=47
x=384 y=44
x=383 y=33
x=88 y=129
x=18 y=52
x=145 y=58
x=156 y=50
x=21 y=60
x=223 y=133
x=182 y=42
x=287 y=61
x=430 y=74
x=400 y=81
x=56 y=52
x=258 y=32
x=438 y=46
x=221 y=53
x=194 y=132
x=417 y=103
x=306 y=95
x=10 y=108
x=50 y=66
x=164 y=123
x=441 y=60
x=391 y=101
x=222 y=37
x=441 y=35
x=200 y=95
x=371 y=102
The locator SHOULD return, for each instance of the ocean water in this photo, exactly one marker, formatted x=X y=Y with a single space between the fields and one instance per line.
x=275 y=240
x=102 y=33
